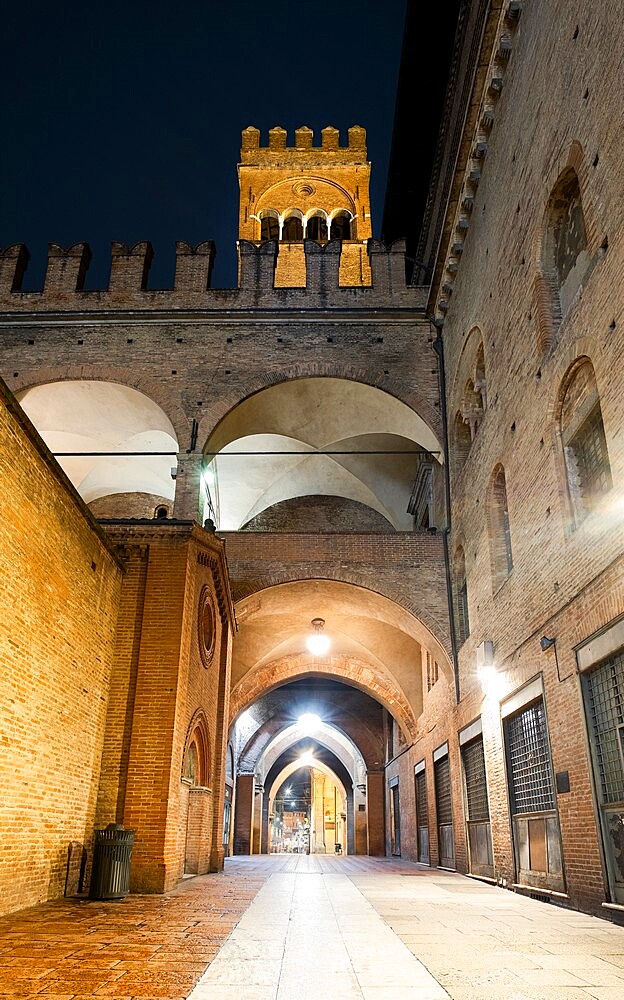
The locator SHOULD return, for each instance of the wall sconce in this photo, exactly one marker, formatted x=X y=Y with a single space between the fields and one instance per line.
x=545 y=645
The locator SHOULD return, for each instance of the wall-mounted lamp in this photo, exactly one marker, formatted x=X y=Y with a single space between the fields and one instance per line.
x=545 y=645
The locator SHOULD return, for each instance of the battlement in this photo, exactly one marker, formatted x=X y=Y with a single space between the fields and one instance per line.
x=128 y=286
x=304 y=151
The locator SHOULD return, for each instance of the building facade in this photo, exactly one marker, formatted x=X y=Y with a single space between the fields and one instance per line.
x=430 y=475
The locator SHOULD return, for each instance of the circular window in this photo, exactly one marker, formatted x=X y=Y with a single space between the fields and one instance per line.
x=303 y=189
x=206 y=623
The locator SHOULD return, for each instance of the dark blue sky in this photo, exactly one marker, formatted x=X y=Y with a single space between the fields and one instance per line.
x=122 y=120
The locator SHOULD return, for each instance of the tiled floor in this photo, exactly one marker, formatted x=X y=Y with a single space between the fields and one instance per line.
x=313 y=929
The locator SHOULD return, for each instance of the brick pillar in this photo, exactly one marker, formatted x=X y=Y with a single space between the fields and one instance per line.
x=243 y=815
x=375 y=814
x=217 y=852
x=186 y=505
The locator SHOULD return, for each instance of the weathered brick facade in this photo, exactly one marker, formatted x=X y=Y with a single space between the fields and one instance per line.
x=523 y=247
x=60 y=597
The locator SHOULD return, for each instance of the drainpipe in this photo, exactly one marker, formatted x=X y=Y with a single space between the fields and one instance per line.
x=438 y=347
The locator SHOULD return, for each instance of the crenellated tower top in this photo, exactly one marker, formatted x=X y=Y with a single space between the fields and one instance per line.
x=307 y=192
x=304 y=150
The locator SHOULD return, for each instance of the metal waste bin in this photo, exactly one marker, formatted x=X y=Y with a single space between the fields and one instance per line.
x=112 y=850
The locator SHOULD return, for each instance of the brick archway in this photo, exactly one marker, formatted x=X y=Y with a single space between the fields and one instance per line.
x=377 y=683
x=256 y=382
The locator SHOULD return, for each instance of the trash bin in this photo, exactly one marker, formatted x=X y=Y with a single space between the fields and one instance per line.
x=110 y=877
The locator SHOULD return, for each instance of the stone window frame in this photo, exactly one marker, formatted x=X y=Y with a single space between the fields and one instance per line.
x=498 y=528
x=549 y=307
x=586 y=419
x=460 y=595
x=469 y=397
x=268 y=215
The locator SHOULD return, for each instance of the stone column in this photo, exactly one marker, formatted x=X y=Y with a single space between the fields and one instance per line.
x=317 y=833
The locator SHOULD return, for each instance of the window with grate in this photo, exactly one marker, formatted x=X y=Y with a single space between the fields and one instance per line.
x=476 y=785
x=442 y=771
x=604 y=697
x=583 y=439
x=528 y=760
x=422 y=809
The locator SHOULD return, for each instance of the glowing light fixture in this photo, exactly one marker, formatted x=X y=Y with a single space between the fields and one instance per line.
x=317 y=643
x=306 y=759
x=309 y=722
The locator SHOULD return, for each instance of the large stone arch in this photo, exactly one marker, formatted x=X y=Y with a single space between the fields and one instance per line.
x=158 y=391
x=399 y=389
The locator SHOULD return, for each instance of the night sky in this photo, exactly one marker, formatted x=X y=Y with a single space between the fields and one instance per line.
x=122 y=120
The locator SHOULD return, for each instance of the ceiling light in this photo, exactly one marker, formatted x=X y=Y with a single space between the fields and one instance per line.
x=306 y=759
x=309 y=722
x=317 y=643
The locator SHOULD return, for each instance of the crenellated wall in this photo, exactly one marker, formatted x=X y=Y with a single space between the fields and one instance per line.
x=128 y=286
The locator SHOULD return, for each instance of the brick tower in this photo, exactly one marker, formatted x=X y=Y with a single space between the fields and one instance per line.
x=292 y=193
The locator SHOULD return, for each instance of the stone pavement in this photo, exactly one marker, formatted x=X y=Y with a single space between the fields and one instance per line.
x=319 y=928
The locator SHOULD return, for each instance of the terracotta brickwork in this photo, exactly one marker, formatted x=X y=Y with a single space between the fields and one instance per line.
x=59 y=599
x=171 y=678
x=284 y=183
x=566 y=578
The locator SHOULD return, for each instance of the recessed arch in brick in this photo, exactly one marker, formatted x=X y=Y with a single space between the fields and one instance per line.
x=380 y=685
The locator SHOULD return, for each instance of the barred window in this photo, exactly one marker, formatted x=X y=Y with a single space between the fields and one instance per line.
x=583 y=439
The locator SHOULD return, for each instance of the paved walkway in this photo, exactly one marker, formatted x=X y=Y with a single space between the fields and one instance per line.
x=298 y=928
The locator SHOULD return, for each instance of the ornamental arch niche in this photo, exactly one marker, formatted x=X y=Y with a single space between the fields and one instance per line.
x=469 y=397
x=79 y=418
x=196 y=797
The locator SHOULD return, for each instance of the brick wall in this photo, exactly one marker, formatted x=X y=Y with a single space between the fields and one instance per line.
x=59 y=599
x=559 y=97
x=319 y=514
x=164 y=688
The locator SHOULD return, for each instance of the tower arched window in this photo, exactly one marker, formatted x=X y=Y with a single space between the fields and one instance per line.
x=292 y=229
x=499 y=533
x=341 y=227
x=269 y=226
x=316 y=228
x=588 y=470
x=462 y=622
